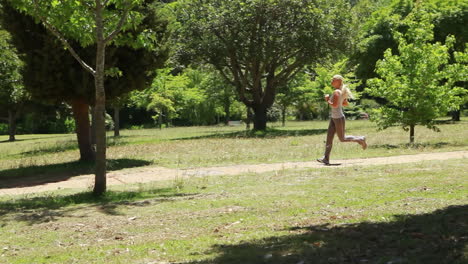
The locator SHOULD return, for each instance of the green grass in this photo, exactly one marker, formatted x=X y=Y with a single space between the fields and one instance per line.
x=219 y=145
x=380 y=214
x=411 y=213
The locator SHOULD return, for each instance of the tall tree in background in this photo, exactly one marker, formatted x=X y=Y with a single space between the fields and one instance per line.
x=448 y=17
x=12 y=93
x=259 y=45
x=410 y=82
x=298 y=92
x=375 y=36
x=194 y=96
x=53 y=76
x=88 y=22
x=220 y=94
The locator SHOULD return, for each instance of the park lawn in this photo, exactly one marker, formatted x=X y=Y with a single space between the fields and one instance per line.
x=407 y=213
x=191 y=147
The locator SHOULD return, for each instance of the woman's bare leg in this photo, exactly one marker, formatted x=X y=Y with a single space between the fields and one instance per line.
x=329 y=144
x=340 y=124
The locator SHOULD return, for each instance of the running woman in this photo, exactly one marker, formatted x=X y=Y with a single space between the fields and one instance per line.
x=337 y=118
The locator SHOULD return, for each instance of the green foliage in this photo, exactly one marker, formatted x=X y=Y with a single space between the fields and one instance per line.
x=192 y=97
x=12 y=92
x=369 y=105
x=109 y=122
x=172 y=94
x=46 y=119
x=52 y=75
x=75 y=18
x=457 y=73
x=298 y=94
x=375 y=35
x=321 y=85
x=414 y=83
x=449 y=17
x=259 y=45
x=3 y=129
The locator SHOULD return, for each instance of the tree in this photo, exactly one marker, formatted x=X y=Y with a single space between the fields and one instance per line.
x=414 y=83
x=259 y=45
x=448 y=17
x=220 y=95
x=117 y=104
x=88 y=22
x=311 y=104
x=12 y=93
x=375 y=36
x=167 y=97
x=189 y=97
x=52 y=75
x=298 y=92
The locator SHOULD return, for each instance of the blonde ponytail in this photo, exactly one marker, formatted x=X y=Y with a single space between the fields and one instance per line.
x=345 y=91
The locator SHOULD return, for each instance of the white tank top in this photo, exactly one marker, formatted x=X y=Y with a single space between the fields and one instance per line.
x=337 y=112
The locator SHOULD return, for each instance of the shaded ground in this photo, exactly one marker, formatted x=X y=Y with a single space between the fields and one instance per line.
x=57 y=173
x=149 y=174
x=438 y=237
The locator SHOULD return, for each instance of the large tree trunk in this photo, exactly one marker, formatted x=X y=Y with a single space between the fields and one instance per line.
x=249 y=118
x=455 y=115
x=11 y=125
x=411 y=134
x=260 y=117
x=116 y=121
x=80 y=110
x=93 y=126
x=100 y=107
x=263 y=101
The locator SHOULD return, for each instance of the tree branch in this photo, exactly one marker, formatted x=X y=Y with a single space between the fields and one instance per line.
x=56 y=33
x=119 y=25
x=288 y=57
x=288 y=70
x=235 y=67
x=221 y=71
x=85 y=4
x=240 y=86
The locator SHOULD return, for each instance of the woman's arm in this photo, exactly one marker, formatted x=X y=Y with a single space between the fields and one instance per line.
x=333 y=101
x=345 y=102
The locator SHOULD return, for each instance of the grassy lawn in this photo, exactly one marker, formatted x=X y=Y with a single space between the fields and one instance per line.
x=212 y=146
x=412 y=213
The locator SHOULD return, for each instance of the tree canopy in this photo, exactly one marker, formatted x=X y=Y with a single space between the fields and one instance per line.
x=449 y=17
x=52 y=75
x=411 y=81
x=97 y=22
x=259 y=45
x=12 y=92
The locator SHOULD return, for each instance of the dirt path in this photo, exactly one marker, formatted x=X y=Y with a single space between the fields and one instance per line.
x=149 y=174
